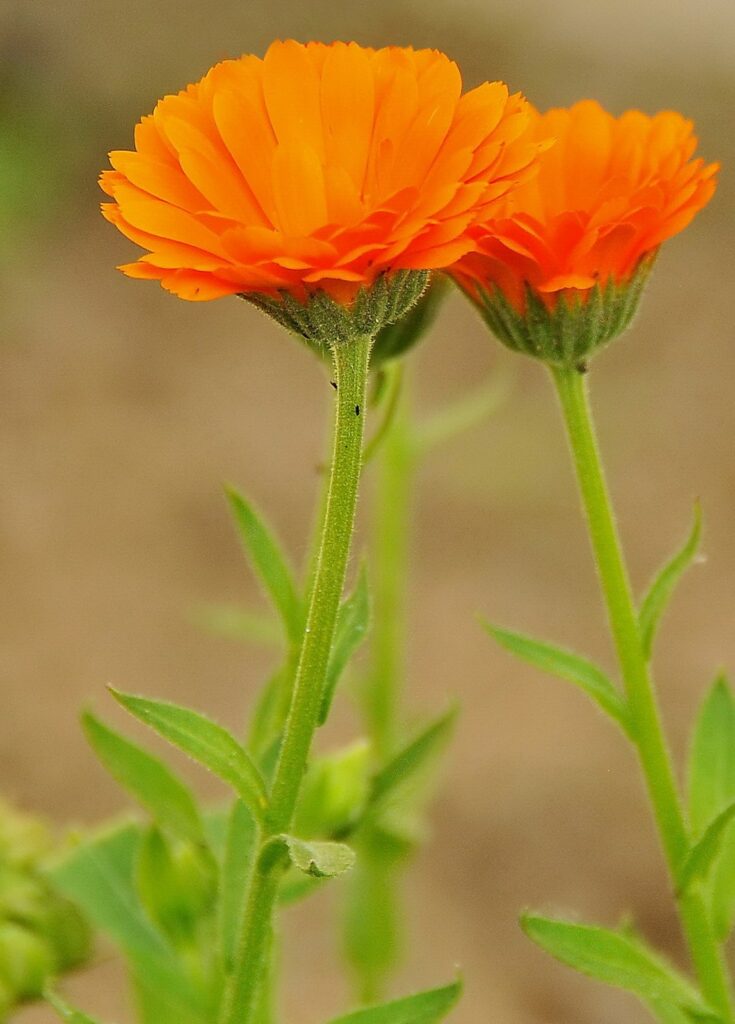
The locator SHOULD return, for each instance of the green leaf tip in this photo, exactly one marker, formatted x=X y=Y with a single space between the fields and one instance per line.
x=428 y=1007
x=568 y=666
x=415 y=755
x=206 y=742
x=704 y=853
x=664 y=583
x=269 y=561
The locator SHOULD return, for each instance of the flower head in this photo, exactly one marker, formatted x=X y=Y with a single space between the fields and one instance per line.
x=588 y=224
x=317 y=168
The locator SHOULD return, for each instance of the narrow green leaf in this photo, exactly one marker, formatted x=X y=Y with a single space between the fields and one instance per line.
x=703 y=854
x=66 y=1012
x=568 y=666
x=414 y=755
x=352 y=626
x=372 y=926
x=269 y=562
x=321 y=860
x=656 y=599
x=236 y=866
x=711 y=791
x=235 y=623
x=423 y=1008
x=204 y=741
x=615 y=959
x=147 y=779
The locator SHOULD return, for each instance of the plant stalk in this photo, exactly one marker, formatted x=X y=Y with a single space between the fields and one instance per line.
x=648 y=734
x=351 y=360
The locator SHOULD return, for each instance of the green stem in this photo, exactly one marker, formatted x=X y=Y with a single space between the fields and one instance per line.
x=351 y=360
x=648 y=732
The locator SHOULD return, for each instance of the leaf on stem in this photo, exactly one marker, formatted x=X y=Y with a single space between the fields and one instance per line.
x=702 y=856
x=66 y=1012
x=320 y=860
x=269 y=562
x=203 y=740
x=414 y=756
x=659 y=593
x=423 y=1008
x=351 y=629
x=146 y=778
x=569 y=666
x=235 y=623
x=616 y=959
x=711 y=791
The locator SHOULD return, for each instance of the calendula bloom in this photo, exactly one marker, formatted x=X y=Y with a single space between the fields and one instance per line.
x=316 y=169
x=581 y=235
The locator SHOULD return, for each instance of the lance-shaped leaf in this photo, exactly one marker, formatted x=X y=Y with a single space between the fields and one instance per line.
x=414 y=756
x=269 y=562
x=712 y=790
x=616 y=959
x=320 y=860
x=656 y=599
x=568 y=666
x=203 y=740
x=66 y=1012
x=703 y=854
x=235 y=623
x=147 y=779
x=423 y=1008
x=351 y=629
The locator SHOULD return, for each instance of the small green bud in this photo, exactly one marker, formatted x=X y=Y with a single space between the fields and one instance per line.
x=177 y=885
x=26 y=961
x=571 y=331
x=335 y=792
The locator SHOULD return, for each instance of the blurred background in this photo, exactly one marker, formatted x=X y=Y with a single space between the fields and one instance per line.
x=123 y=409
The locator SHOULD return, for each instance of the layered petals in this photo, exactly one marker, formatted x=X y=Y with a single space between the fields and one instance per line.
x=606 y=195
x=317 y=167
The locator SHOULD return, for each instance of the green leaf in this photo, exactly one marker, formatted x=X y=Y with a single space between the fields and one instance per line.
x=702 y=855
x=235 y=623
x=204 y=741
x=147 y=779
x=321 y=860
x=712 y=790
x=351 y=629
x=424 y=1008
x=656 y=599
x=568 y=666
x=615 y=959
x=372 y=926
x=236 y=866
x=66 y=1012
x=414 y=755
x=269 y=562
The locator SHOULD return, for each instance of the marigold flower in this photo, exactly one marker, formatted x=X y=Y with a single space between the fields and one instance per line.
x=586 y=227
x=317 y=168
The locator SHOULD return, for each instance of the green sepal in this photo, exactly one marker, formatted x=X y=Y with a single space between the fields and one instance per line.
x=269 y=562
x=703 y=854
x=169 y=801
x=711 y=789
x=208 y=743
x=423 y=1008
x=320 y=860
x=575 y=328
x=616 y=959
x=323 y=323
x=568 y=666
x=657 y=597
x=350 y=631
x=395 y=339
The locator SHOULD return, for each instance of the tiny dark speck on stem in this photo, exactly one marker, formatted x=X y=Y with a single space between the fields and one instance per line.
x=334 y=384
x=357 y=410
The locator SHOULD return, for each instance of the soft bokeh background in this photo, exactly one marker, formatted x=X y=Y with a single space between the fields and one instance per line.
x=122 y=409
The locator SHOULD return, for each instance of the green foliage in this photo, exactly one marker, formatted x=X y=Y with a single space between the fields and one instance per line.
x=656 y=599
x=239 y=624
x=236 y=866
x=711 y=792
x=204 y=741
x=335 y=793
x=66 y=1012
x=568 y=666
x=413 y=757
x=320 y=860
x=372 y=929
x=617 y=959
x=147 y=779
x=704 y=853
x=423 y=1008
x=269 y=562
x=352 y=626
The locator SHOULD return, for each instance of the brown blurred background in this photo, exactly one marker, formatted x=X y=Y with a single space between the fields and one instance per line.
x=122 y=410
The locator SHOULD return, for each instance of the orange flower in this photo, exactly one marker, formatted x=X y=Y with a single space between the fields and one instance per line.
x=319 y=167
x=607 y=194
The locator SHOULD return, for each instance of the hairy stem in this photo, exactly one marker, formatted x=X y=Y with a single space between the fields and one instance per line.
x=648 y=733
